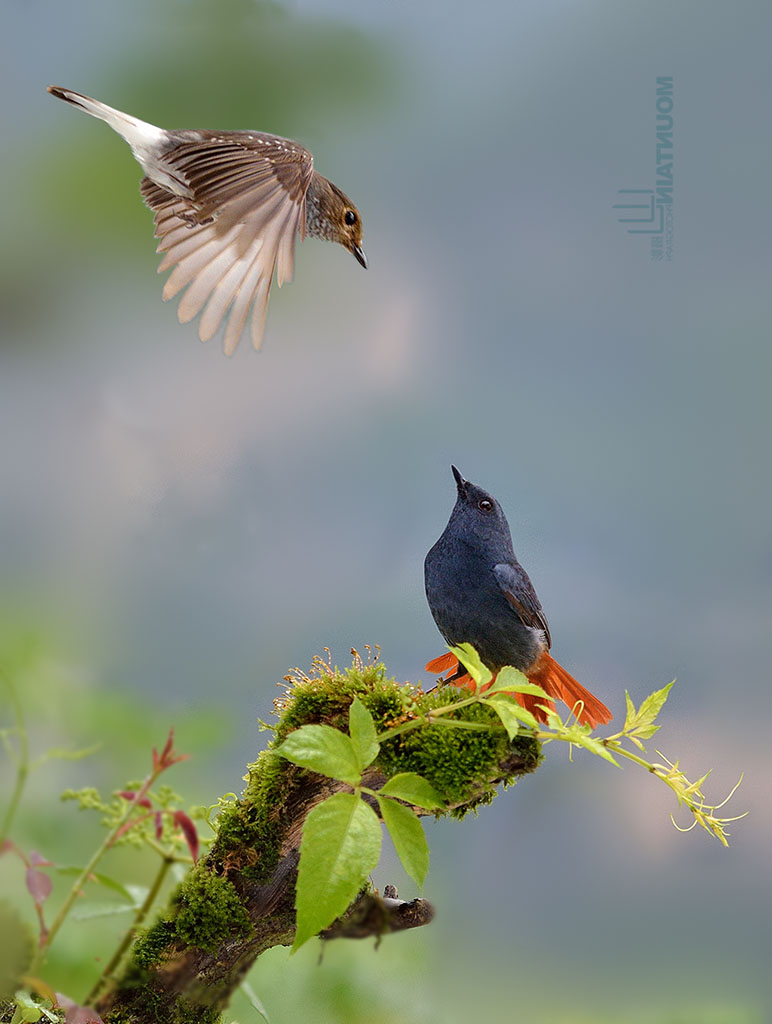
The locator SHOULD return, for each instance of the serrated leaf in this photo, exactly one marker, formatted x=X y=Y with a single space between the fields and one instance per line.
x=638 y=722
x=595 y=746
x=413 y=789
x=512 y=680
x=322 y=749
x=646 y=732
x=341 y=845
x=408 y=837
x=361 y=728
x=513 y=716
x=630 y=714
x=470 y=659
x=652 y=706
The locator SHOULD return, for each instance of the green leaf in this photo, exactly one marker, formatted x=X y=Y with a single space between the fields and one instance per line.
x=322 y=749
x=581 y=739
x=341 y=845
x=512 y=715
x=27 y=1010
x=653 y=704
x=363 y=736
x=641 y=722
x=630 y=716
x=87 y=911
x=254 y=1002
x=513 y=681
x=413 y=789
x=470 y=659
x=105 y=880
x=408 y=837
x=646 y=732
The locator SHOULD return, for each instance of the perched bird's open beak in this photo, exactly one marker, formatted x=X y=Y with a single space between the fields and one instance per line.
x=460 y=482
x=359 y=252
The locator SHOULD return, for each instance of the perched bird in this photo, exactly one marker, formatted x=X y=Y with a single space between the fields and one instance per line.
x=479 y=594
x=227 y=208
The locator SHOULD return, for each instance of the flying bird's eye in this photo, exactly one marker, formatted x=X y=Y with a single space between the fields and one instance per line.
x=484 y=505
x=350 y=217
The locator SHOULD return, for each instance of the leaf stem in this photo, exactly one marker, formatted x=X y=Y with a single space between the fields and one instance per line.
x=22 y=759
x=131 y=931
x=158 y=767
x=428 y=719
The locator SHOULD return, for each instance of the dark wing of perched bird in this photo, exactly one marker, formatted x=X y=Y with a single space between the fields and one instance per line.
x=519 y=592
x=243 y=206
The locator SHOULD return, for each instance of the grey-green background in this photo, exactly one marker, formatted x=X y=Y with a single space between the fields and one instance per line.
x=178 y=529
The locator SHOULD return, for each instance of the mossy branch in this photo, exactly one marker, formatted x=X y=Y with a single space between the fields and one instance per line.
x=240 y=900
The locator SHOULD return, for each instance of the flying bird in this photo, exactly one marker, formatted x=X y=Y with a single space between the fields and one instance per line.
x=479 y=594
x=228 y=206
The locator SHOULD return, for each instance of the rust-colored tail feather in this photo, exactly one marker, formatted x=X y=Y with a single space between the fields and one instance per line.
x=448 y=664
x=552 y=678
x=445 y=663
x=559 y=684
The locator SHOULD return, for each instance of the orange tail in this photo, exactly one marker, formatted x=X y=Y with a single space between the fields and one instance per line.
x=552 y=678
x=448 y=663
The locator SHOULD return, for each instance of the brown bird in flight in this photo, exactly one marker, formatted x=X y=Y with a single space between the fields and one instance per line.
x=227 y=207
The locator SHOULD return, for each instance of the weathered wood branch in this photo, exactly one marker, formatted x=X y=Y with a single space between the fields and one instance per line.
x=239 y=901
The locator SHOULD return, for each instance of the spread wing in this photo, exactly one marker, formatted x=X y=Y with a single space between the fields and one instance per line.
x=235 y=225
x=522 y=597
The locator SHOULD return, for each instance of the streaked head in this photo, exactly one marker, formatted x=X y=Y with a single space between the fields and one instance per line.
x=330 y=214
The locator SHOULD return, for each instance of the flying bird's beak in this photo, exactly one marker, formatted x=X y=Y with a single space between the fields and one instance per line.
x=460 y=482
x=359 y=253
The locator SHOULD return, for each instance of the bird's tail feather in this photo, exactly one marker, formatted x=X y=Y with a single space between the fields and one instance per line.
x=138 y=134
x=553 y=679
x=559 y=684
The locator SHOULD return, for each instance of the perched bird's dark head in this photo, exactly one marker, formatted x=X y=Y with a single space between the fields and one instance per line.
x=477 y=517
x=330 y=214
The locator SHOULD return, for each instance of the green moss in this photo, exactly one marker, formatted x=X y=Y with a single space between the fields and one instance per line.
x=326 y=697
x=188 y=1013
x=147 y=1004
x=209 y=911
x=458 y=762
x=152 y=943
x=248 y=831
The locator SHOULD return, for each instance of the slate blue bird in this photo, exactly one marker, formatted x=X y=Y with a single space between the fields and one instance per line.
x=478 y=593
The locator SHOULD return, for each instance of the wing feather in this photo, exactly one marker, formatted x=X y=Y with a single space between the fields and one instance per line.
x=235 y=231
x=520 y=594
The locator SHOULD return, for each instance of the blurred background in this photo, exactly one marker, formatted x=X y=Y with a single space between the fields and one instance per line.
x=178 y=529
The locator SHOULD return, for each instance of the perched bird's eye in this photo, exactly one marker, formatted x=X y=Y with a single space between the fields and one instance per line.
x=350 y=217
x=484 y=505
